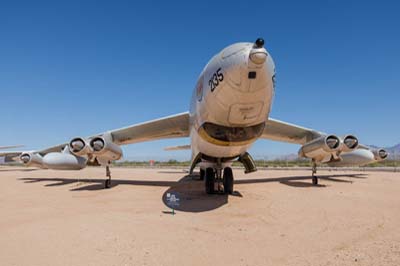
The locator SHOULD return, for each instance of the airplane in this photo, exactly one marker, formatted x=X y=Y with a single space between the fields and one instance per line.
x=229 y=111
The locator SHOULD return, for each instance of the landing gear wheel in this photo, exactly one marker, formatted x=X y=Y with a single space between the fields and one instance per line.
x=202 y=174
x=314 y=172
x=228 y=180
x=209 y=180
x=107 y=183
x=315 y=180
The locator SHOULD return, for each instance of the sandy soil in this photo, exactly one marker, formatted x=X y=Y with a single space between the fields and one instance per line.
x=274 y=218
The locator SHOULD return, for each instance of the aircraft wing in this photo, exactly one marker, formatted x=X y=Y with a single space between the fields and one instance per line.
x=10 y=156
x=178 y=148
x=364 y=147
x=173 y=126
x=10 y=147
x=282 y=131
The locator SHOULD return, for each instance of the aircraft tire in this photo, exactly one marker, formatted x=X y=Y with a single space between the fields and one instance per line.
x=228 y=180
x=107 y=183
x=202 y=174
x=209 y=180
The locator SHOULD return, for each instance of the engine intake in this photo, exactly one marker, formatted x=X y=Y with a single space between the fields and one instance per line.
x=79 y=147
x=380 y=154
x=350 y=143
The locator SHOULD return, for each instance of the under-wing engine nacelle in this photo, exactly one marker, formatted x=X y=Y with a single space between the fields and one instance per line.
x=320 y=148
x=104 y=149
x=80 y=147
x=32 y=159
x=349 y=143
x=380 y=154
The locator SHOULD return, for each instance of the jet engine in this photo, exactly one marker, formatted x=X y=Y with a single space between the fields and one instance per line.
x=380 y=154
x=32 y=159
x=350 y=143
x=80 y=147
x=320 y=148
x=104 y=149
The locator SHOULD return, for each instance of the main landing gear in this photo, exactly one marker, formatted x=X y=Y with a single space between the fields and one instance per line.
x=107 y=182
x=314 y=172
x=216 y=183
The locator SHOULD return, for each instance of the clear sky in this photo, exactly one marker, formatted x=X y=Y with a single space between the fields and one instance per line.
x=74 y=69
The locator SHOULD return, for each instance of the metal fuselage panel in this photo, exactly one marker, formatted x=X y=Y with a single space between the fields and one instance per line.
x=232 y=92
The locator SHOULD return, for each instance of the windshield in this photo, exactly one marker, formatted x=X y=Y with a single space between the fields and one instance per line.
x=233 y=134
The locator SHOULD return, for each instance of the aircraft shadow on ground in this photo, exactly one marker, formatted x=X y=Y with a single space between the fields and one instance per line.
x=173 y=172
x=190 y=189
x=19 y=170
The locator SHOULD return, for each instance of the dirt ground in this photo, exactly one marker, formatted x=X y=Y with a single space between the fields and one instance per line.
x=274 y=218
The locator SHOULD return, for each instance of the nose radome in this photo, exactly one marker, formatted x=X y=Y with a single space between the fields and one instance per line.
x=258 y=56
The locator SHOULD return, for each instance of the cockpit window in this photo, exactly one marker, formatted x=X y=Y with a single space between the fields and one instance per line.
x=233 y=134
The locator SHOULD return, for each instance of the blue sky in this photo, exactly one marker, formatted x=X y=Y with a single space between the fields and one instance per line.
x=73 y=69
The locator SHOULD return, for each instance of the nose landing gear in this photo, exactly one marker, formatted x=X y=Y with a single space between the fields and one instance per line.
x=202 y=174
x=228 y=180
x=216 y=183
x=209 y=180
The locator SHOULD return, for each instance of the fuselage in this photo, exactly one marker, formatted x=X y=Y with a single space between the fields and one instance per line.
x=232 y=101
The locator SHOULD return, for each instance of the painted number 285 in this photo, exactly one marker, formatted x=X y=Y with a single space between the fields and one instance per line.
x=216 y=79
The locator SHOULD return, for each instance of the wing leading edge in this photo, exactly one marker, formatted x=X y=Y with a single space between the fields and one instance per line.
x=282 y=131
x=174 y=126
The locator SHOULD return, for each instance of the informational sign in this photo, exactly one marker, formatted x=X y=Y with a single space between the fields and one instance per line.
x=173 y=201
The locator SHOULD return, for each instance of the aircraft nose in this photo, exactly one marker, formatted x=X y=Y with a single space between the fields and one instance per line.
x=258 y=54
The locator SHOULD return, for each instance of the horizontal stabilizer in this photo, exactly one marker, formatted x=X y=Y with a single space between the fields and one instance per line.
x=178 y=148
